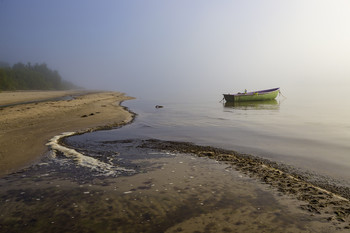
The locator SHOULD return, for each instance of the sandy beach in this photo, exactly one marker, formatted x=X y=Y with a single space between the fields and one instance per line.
x=165 y=186
x=26 y=128
x=20 y=97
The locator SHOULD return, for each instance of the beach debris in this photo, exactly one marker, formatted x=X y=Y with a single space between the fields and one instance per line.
x=206 y=154
x=159 y=106
x=91 y=114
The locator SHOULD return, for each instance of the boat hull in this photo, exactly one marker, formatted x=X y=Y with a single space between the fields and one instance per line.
x=269 y=94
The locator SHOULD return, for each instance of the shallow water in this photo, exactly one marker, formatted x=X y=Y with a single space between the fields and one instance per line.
x=310 y=132
x=164 y=193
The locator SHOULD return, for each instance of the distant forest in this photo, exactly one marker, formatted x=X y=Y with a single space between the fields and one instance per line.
x=31 y=77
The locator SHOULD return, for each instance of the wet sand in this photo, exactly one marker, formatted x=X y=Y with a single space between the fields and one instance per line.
x=166 y=186
x=26 y=128
x=320 y=196
x=169 y=192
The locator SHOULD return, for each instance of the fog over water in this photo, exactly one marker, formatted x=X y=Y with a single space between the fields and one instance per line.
x=182 y=48
x=178 y=52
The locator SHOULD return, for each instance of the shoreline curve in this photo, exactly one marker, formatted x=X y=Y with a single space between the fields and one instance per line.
x=26 y=128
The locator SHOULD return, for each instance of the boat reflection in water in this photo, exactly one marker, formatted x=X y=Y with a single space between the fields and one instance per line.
x=254 y=105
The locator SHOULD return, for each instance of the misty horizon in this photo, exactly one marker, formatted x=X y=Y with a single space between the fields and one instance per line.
x=180 y=47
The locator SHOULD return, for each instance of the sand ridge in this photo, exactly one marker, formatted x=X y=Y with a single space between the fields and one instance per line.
x=26 y=128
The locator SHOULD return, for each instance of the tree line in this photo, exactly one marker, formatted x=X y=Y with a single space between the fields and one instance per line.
x=31 y=77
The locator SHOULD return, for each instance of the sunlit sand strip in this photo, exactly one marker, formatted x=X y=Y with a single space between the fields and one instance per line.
x=83 y=160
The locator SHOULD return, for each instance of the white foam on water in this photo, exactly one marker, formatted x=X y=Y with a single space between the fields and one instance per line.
x=83 y=160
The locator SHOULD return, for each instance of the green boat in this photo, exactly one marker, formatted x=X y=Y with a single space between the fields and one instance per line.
x=268 y=94
x=253 y=105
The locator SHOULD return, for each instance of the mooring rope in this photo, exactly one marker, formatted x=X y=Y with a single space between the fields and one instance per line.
x=281 y=94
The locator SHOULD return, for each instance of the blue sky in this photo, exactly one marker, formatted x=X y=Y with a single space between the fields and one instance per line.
x=158 y=47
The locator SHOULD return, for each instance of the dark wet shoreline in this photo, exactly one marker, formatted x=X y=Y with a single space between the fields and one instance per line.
x=319 y=194
x=55 y=192
x=247 y=163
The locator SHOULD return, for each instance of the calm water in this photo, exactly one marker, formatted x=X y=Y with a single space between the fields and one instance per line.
x=310 y=129
x=107 y=183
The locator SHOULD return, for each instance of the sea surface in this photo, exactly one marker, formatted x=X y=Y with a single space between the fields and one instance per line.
x=306 y=128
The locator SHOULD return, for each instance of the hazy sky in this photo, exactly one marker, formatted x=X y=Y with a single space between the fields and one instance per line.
x=181 y=46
